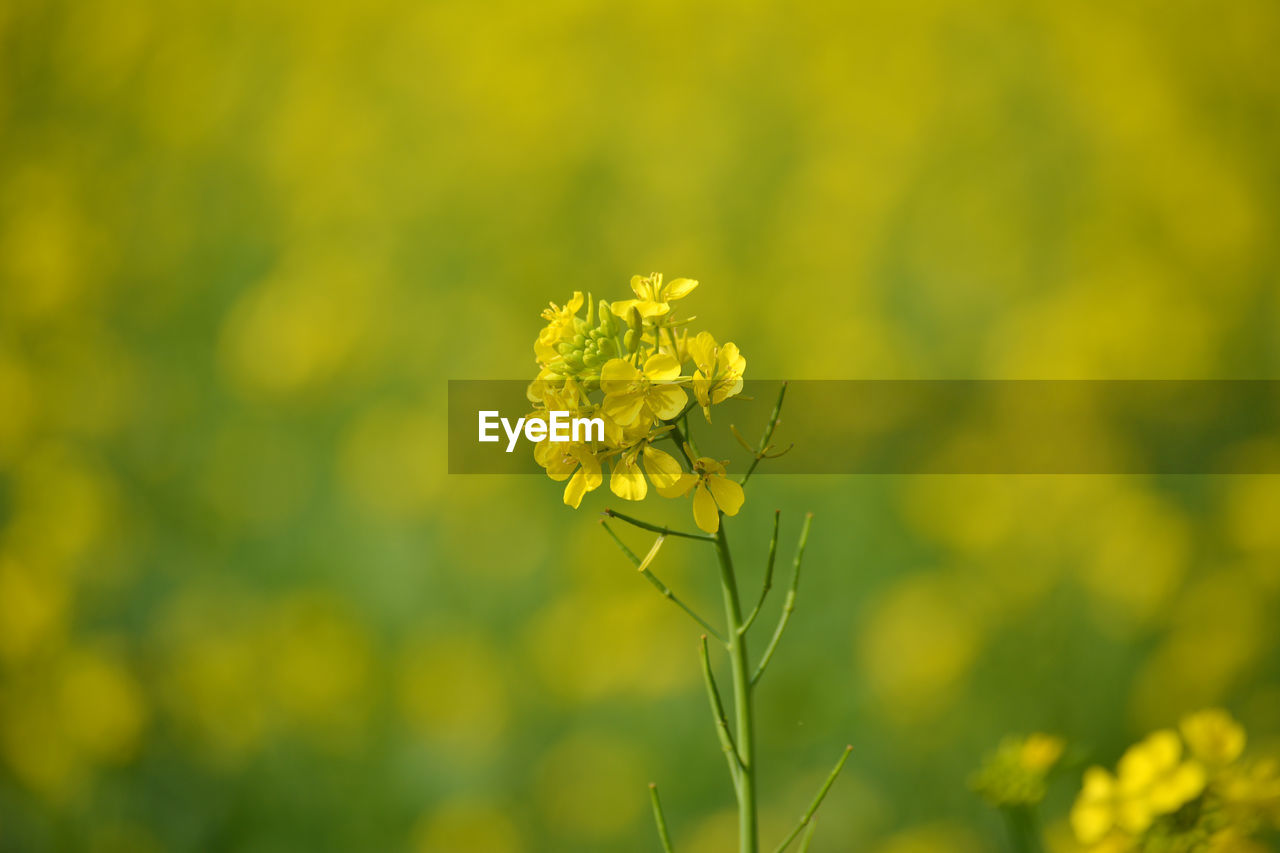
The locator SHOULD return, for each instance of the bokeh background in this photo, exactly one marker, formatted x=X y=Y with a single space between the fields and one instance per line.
x=244 y=244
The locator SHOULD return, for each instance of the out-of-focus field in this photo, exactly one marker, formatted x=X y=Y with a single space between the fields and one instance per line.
x=244 y=244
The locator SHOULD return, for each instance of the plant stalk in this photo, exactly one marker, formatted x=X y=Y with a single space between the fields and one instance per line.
x=748 y=835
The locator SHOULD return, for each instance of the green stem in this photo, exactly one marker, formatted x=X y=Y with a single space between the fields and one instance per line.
x=1023 y=830
x=642 y=566
x=768 y=434
x=748 y=840
x=659 y=818
x=817 y=801
x=768 y=573
x=653 y=528
x=717 y=713
x=788 y=604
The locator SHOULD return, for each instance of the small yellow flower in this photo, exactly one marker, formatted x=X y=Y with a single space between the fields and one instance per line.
x=1213 y=736
x=1093 y=817
x=652 y=295
x=577 y=463
x=1040 y=752
x=713 y=492
x=559 y=328
x=719 y=373
x=628 y=483
x=1154 y=778
x=630 y=391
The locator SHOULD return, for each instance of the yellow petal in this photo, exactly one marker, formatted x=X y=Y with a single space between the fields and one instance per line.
x=727 y=493
x=618 y=376
x=661 y=367
x=1090 y=821
x=627 y=482
x=679 y=288
x=624 y=409
x=666 y=401
x=704 y=510
x=702 y=350
x=576 y=488
x=662 y=468
x=681 y=486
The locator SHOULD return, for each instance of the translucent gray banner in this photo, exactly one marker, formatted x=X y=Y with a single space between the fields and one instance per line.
x=942 y=427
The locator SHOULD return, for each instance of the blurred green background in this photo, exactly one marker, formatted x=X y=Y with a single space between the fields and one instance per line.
x=244 y=244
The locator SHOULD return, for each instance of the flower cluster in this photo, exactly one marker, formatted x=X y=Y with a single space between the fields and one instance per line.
x=1186 y=790
x=631 y=363
x=1015 y=774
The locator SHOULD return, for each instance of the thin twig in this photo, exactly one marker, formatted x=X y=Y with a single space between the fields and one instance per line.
x=817 y=801
x=643 y=567
x=653 y=528
x=721 y=721
x=789 y=604
x=768 y=434
x=768 y=574
x=807 y=838
x=659 y=818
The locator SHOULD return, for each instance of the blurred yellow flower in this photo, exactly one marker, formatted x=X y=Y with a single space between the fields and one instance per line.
x=1014 y=775
x=1213 y=736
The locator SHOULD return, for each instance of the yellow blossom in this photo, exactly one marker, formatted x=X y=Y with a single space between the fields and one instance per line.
x=1155 y=779
x=577 y=463
x=628 y=483
x=631 y=391
x=559 y=328
x=1213 y=736
x=713 y=493
x=719 y=373
x=652 y=296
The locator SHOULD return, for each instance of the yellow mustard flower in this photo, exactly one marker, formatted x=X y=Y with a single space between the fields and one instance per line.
x=577 y=463
x=559 y=328
x=1014 y=774
x=652 y=296
x=631 y=391
x=713 y=492
x=1213 y=736
x=1094 y=814
x=1039 y=752
x=719 y=370
x=1153 y=774
x=628 y=482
